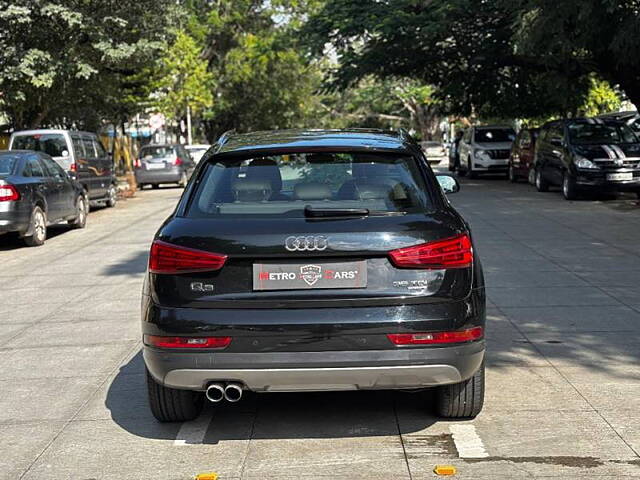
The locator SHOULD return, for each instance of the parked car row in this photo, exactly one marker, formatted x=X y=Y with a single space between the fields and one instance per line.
x=53 y=176
x=580 y=155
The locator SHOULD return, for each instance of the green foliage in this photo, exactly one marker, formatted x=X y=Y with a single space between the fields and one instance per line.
x=66 y=61
x=601 y=99
x=183 y=79
x=262 y=80
x=490 y=58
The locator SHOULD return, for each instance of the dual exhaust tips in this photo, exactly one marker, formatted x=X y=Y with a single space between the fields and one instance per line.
x=231 y=392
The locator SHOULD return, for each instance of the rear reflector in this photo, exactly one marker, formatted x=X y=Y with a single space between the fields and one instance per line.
x=430 y=338
x=167 y=258
x=9 y=193
x=187 y=342
x=455 y=252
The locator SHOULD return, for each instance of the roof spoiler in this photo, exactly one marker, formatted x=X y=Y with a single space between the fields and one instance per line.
x=224 y=138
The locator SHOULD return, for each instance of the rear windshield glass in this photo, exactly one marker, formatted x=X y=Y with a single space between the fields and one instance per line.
x=53 y=144
x=284 y=185
x=8 y=163
x=156 y=152
x=487 y=135
x=586 y=133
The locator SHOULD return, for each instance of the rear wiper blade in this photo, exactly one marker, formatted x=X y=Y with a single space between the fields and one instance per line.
x=335 y=212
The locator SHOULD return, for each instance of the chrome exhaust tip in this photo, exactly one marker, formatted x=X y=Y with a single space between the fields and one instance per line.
x=233 y=392
x=215 y=392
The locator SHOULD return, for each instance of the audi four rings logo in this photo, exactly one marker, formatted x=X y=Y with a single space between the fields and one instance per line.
x=306 y=243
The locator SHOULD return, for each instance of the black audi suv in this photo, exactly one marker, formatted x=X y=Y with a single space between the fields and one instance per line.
x=313 y=261
x=588 y=155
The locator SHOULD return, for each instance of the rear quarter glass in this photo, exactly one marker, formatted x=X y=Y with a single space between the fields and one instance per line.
x=283 y=185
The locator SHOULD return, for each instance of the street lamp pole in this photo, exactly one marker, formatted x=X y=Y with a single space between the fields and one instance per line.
x=189 y=138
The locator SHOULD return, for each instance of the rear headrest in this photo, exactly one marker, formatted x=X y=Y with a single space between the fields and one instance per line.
x=251 y=190
x=265 y=169
x=371 y=191
x=311 y=191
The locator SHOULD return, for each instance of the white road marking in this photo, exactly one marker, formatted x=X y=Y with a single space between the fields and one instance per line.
x=193 y=432
x=468 y=443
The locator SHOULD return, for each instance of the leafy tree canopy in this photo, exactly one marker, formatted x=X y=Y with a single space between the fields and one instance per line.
x=522 y=58
x=73 y=59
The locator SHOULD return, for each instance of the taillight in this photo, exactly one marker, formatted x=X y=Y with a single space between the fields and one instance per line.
x=187 y=342
x=455 y=252
x=431 y=338
x=73 y=167
x=9 y=193
x=178 y=161
x=167 y=258
x=137 y=163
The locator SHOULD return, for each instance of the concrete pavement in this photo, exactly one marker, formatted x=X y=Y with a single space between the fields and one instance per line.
x=563 y=392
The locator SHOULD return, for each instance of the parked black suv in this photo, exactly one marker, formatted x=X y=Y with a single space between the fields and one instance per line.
x=313 y=261
x=588 y=154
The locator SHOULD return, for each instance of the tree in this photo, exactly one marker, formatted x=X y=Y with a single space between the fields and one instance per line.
x=184 y=82
x=65 y=62
x=262 y=79
x=489 y=58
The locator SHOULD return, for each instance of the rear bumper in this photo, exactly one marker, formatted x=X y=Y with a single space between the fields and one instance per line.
x=159 y=176
x=16 y=220
x=318 y=371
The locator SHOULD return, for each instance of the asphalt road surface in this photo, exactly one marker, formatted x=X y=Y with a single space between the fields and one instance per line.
x=563 y=393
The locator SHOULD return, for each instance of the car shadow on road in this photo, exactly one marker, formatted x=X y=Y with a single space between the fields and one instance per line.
x=132 y=266
x=276 y=415
x=13 y=241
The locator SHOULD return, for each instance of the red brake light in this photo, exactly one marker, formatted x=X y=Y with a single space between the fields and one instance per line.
x=455 y=252
x=167 y=258
x=137 y=163
x=73 y=167
x=459 y=336
x=187 y=342
x=178 y=162
x=9 y=193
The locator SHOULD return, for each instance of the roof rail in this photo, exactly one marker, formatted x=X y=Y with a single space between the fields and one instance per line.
x=224 y=138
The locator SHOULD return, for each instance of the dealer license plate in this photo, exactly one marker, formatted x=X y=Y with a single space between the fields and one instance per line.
x=306 y=276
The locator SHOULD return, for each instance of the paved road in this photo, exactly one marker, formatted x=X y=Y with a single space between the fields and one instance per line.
x=563 y=379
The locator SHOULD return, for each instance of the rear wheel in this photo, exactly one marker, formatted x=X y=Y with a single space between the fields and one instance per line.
x=37 y=228
x=82 y=207
x=569 y=189
x=464 y=399
x=155 y=186
x=173 y=405
x=141 y=186
x=470 y=172
x=541 y=183
x=112 y=196
x=532 y=176
x=183 y=180
x=513 y=178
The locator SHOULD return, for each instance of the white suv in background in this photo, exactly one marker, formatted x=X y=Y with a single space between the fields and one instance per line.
x=486 y=149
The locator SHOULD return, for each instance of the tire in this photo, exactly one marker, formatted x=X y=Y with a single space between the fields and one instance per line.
x=155 y=186
x=141 y=186
x=183 y=180
x=569 y=189
x=511 y=175
x=38 y=227
x=112 y=196
x=462 y=400
x=531 y=178
x=82 y=209
x=470 y=172
x=540 y=182
x=173 y=405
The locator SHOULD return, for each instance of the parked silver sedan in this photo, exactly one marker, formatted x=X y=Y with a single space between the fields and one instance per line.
x=159 y=164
